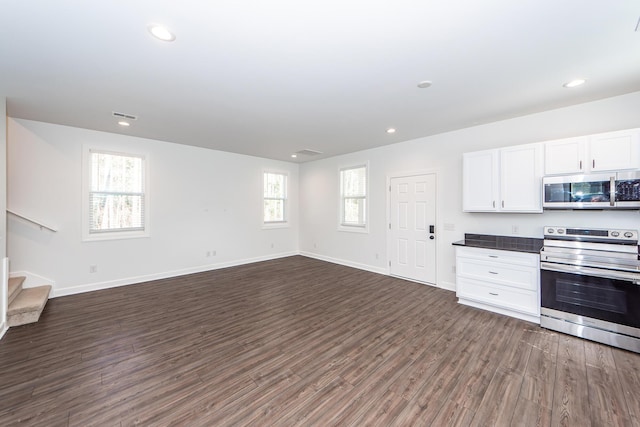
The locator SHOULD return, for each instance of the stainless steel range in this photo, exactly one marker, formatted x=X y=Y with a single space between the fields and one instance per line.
x=590 y=284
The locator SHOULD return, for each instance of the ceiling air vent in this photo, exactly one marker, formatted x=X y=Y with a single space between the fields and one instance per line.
x=124 y=116
x=307 y=152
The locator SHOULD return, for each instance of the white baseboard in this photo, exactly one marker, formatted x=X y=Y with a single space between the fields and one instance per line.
x=37 y=280
x=4 y=294
x=357 y=265
x=32 y=280
x=500 y=310
x=380 y=270
x=164 y=275
x=448 y=286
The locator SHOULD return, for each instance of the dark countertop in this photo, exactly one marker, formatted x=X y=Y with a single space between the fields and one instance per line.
x=503 y=243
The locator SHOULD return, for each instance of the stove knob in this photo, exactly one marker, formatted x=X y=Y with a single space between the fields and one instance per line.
x=628 y=234
x=550 y=230
x=560 y=231
x=614 y=234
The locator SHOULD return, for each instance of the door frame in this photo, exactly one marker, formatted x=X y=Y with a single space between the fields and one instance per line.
x=408 y=174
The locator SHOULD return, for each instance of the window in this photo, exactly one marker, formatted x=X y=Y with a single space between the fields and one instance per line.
x=116 y=191
x=353 y=197
x=275 y=198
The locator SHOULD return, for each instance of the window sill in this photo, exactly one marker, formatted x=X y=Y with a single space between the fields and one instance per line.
x=273 y=225
x=353 y=229
x=114 y=235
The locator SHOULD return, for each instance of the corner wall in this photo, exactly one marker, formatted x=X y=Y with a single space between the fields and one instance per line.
x=319 y=186
x=4 y=274
x=200 y=201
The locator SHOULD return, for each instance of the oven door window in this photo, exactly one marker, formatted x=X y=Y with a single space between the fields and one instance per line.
x=615 y=301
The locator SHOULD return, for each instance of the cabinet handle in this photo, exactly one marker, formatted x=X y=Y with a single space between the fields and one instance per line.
x=580 y=164
x=494 y=294
x=493 y=256
x=593 y=163
x=494 y=203
x=492 y=272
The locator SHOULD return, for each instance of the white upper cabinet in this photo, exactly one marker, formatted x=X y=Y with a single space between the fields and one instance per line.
x=480 y=181
x=615 y=150
x=602 y=152
x=504 y=180
x=565 y=156
x=521 y=178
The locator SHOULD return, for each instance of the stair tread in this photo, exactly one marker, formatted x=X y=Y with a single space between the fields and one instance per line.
x=15 y=283
x=29 y=299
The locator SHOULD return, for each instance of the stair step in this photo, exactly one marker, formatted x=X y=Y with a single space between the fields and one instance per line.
x=28 y=305
x=15 y=286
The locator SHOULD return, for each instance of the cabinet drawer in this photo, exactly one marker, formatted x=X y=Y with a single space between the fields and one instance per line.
x=513 y=299
x=519 y=258
x=498 y=273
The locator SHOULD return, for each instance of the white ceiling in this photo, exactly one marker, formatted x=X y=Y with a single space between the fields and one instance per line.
x=269 y=78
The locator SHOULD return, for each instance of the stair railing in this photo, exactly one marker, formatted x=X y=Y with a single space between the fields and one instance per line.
x=40 y=224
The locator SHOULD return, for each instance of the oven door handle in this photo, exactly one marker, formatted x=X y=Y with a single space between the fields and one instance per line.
x=589 y=271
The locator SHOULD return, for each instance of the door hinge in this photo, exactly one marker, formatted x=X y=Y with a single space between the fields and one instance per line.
x=389 y=226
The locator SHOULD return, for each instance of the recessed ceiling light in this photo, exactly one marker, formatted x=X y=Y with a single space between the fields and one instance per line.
x=161 y=33
x=124 y=124
x=294 y=155
x=574 y=83
x=391 y=130
x=424 y=84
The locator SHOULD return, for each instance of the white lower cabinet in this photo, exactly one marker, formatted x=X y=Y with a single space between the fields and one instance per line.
x=501 y=281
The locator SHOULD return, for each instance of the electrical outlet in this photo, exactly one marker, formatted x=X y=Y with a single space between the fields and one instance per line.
x=93 y=269
x=213 y=253
x=515 y=229
x=272 y=246
x=377 y=255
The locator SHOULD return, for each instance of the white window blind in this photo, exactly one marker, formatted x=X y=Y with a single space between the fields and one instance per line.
x=275 y=197
x=353 y=191
x=116 y=192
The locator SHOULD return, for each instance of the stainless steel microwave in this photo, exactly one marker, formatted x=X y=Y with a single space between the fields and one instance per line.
x=615 y=190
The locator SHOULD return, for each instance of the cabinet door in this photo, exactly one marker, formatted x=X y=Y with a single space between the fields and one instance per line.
x=565 y=156
x=480 y=181
x=521 y=178
x=615 y=150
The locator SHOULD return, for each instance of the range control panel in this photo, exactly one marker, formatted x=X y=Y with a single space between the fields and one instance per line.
x=590 y=233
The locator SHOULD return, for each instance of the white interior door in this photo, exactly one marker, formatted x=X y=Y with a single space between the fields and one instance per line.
x=412 y=227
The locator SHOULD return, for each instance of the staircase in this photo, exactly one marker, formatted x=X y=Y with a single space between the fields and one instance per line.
x=25 y=305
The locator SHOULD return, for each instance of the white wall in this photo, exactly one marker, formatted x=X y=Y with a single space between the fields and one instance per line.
x=319 y=185
x=204 y=200
x=3 y=211
x=200 y=200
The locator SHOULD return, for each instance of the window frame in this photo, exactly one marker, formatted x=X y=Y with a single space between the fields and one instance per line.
x=114 y=234
x=354 y=228
x=285 y=222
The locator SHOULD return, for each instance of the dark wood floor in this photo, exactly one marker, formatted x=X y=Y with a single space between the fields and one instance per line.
x=298 y=341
